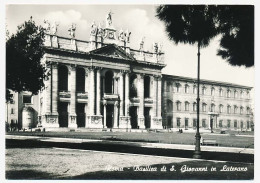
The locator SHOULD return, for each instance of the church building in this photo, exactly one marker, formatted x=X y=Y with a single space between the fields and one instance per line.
x=104 y=84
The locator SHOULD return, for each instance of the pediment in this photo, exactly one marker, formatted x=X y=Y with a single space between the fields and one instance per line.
x=112 y=51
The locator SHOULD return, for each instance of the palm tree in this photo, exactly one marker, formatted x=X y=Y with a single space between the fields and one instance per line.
x=192 y=24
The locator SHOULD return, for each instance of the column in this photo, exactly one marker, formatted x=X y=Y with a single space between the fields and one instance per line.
x=48 y=93
x=121 y=93
x=159 y=106
x=91 y=92
x=209 y=121
x=154 y=96
x=141 y=98
x=127 y=94
x=55 y=89
x=86 y=80
x=98 y=92
x=105 y=115
x=73 y=121
x=116 y=115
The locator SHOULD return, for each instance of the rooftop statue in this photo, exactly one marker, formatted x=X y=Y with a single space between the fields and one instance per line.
x=127 y=36
x=100 y=31
x=54 y=28
x=142 y=44
x=93 y=30
x=46 y=26
x=109 y=19
x=121 y=35
x=72 y=30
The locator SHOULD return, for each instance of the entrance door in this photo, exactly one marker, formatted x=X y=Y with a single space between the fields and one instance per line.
x=110 y=116
x=81 y=117
x=186 y=123
x=169 y=121
x=147 y=117
x=63 y=114
x=133 y=114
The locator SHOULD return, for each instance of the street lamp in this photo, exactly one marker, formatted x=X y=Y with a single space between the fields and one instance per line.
x=197 y=152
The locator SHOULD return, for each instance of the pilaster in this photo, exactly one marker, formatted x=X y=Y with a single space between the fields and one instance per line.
x=72 y=114
x=141 y=98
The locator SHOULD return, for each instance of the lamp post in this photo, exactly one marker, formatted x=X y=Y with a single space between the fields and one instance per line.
x=197 y=152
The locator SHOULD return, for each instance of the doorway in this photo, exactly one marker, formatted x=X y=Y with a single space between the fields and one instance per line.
x=63 y=114
x=110 y=116
x=81 y=117
x=133 y=115
x=147 y=117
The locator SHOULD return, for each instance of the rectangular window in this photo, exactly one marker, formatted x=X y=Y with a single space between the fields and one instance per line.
x=12 y=111
x=178 y=122
x=194 y=123
x=27 y=99
x=186 y=122
x=228 y=123
x=220 y=123
x=247 y=125
x=235 y=124
x=204 y=123
x=241 y=124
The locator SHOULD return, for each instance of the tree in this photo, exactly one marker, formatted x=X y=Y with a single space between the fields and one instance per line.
x=237 y=29
x=190 y=24
x=24 y=50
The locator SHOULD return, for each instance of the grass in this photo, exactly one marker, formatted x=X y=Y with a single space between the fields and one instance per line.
x=225 y=140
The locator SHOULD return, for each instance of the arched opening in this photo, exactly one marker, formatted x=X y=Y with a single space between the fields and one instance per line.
x=63 y=78
x=63 y=114
x=109 y=82
x=80 y=80
x=133 y=86
x=146 y=87
x=147 y=117
x=169 y=106
x=133 y=115
x=81 y=116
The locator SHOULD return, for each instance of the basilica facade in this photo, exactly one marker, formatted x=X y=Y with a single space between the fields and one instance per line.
x=104 y=84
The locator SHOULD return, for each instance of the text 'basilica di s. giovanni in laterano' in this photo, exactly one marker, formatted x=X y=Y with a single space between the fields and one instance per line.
x=104 y=84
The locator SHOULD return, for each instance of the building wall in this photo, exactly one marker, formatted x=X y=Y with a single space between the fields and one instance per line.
x=174 y=91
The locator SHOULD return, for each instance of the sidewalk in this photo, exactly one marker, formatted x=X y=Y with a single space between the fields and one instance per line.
x=141 y=144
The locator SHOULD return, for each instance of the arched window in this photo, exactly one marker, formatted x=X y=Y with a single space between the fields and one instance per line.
x=221 y=92
x=235 y=109
x=241 y=94
x=80 y=80
x=228 y=109
x=204 y=106
x=146 y=86
x=203 y=90
x=235 y=94
x=248 y=110
x=109 y=82
x=63 y=78
x=187 y=106
x=212 y=91
x=212 y=108
x=194 y=106
x=186 y=88
x=178 y=105
x=241 y=110
x=178 y=86
x=169 y=106
x=194 y=89
x=220 y=108
x=228 y=93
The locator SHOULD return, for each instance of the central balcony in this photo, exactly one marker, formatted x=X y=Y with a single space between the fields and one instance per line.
x=82 y=95
x=110 y=96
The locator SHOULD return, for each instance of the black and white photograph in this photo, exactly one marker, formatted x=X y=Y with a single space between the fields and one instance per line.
x=114 y=91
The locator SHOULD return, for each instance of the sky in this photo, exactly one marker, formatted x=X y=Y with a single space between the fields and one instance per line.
x=141 y=21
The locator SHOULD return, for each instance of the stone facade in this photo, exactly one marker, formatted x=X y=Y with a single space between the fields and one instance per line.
x=103 y=83
x=222 y=105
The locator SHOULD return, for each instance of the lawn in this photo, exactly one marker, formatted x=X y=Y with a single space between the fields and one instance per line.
x=225 y=140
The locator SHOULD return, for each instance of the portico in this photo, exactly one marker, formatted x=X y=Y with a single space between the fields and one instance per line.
x=102 y=83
